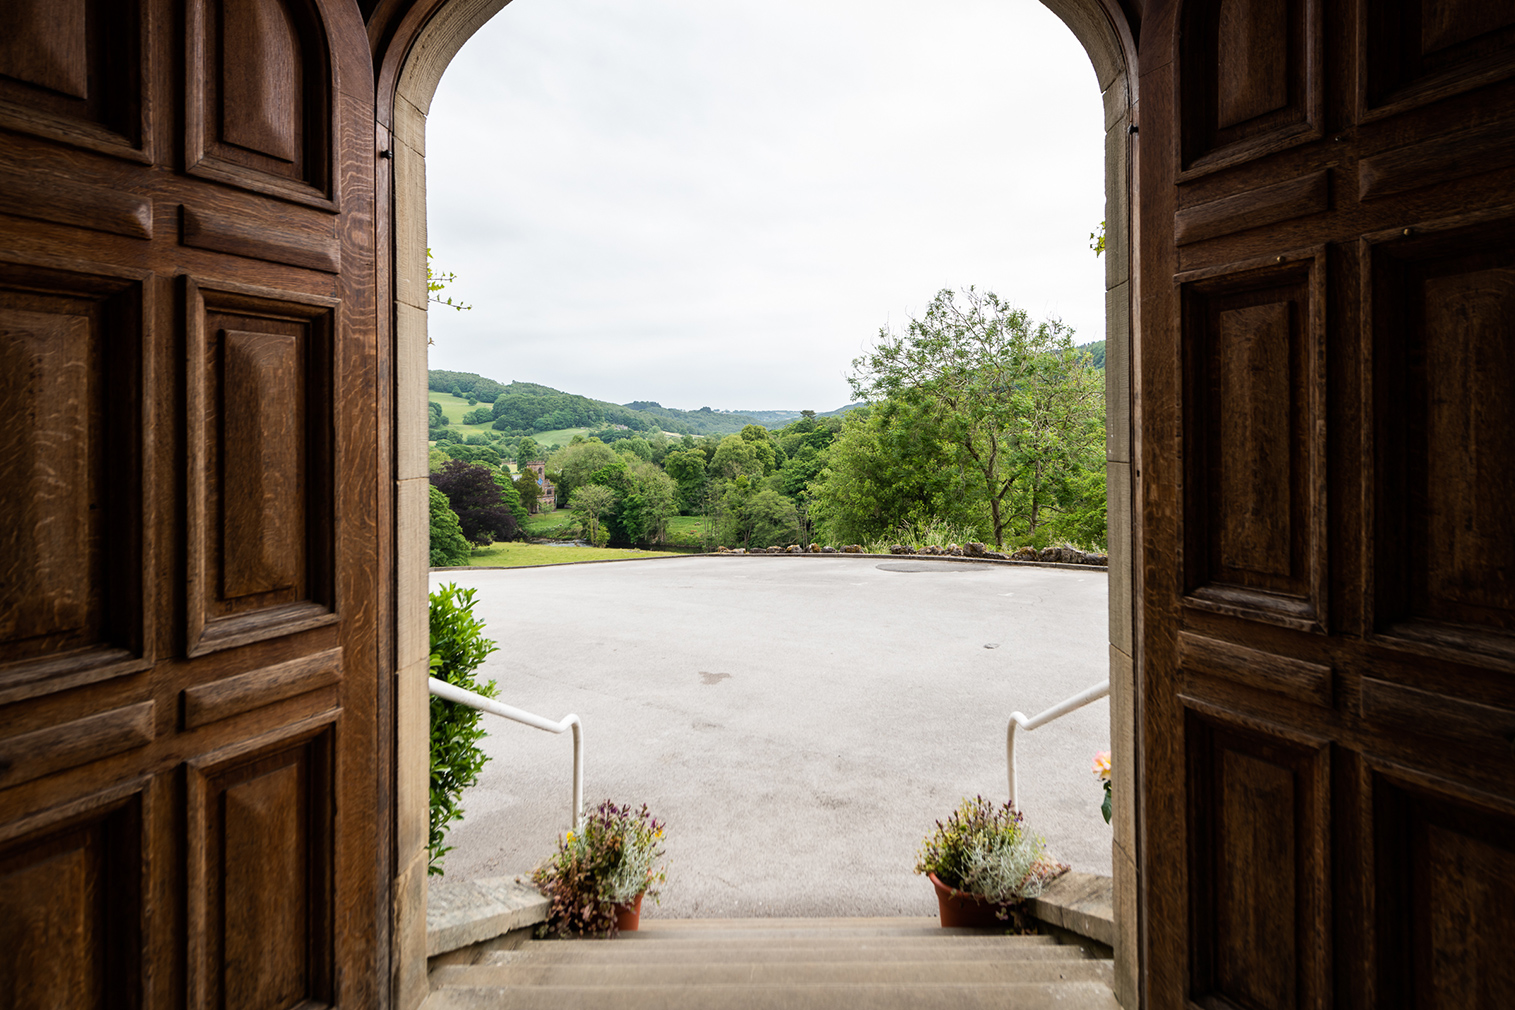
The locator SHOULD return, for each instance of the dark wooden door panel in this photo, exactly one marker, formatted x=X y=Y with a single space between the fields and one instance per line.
x=189 y=763
x=1251 y=79
x=1259 y=851
x=1443 y=304
x=260 y=861
x=261 y=519
x=78 y=71
x=1328 y=466
x=1445 y=889
x=70 y=480
x=71 y=904
x=260 y=104
x=1255 y=442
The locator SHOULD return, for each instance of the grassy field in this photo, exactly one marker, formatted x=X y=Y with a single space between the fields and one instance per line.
x=512 y=555
x=454 y=408
x=549 y=525
x=685 y=531
x=561 y=436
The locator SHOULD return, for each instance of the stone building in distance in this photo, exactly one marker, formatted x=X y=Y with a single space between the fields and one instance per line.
x=547 y=499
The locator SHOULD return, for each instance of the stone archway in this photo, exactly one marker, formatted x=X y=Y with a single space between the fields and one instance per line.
x=422 y=45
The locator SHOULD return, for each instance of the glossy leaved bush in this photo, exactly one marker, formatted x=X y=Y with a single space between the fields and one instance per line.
x=458 y=647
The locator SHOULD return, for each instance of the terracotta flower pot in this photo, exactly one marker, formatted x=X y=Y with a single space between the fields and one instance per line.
x=961 y=909
x=629 y=915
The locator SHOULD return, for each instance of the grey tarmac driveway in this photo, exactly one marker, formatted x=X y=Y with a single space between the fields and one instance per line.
x=800 y=723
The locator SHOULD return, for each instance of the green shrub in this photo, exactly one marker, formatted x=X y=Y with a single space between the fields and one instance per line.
x=458 y=646
x=449 y=547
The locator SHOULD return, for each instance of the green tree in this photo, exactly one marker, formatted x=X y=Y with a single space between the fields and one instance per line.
x=890 y=468
x=737 y=457
x=575 y=462
x=527 y=489
x=510 y=495
x=634 y=446
x=527 y=451
x=449 y=547
x=660 y=501
x=687 y=468
x=763 y=443
x=592 y=502
x=754 y=515
x=1009 y=396
x=1058 y=459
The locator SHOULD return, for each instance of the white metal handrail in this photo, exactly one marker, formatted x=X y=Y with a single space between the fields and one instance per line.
x=1018 y=719
x=462 y=696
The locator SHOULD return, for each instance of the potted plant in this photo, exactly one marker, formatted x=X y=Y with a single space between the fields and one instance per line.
x=600 y=872
x=984 y=863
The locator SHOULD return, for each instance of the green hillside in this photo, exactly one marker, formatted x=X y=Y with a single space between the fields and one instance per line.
x=1096 y=348
x=544 y=413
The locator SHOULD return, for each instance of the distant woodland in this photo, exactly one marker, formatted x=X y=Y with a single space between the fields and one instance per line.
x=973 y=423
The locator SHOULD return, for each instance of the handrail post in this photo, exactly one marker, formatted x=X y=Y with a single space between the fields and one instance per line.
x=463 y=696
x=1062 y=708
x=1016 y=719
x=578 y=774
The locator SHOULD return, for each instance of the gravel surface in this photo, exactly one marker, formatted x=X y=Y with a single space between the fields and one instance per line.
x=799 y=723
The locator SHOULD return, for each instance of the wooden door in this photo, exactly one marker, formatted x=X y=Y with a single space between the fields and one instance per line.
x=189 y=755
x=1327 y=481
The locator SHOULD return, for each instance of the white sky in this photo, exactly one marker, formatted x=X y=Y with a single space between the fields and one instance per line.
x=710 y=203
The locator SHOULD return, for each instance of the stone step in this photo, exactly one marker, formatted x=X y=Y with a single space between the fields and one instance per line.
x=780 y=922
x=839 y=996
x=758 y=929
x=894 y=972
x=586 y=952
x=800 y=938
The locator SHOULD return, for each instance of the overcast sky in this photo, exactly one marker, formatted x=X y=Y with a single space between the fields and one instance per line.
x=711 y=203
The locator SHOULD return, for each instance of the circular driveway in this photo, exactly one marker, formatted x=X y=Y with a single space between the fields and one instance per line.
x=799 y=723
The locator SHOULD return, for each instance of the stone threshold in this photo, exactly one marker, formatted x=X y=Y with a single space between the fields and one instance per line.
x=1081 y=903
x=462 y=913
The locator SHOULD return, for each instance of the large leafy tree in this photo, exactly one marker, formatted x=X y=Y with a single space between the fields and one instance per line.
x=888 y=469
x=660 y=501
x=741 y=457
x=755 y=515
x=574 y=463
x=687 y=468
x=1016 y=404
x=527 y=489
x=592 y=502
x=483 y=514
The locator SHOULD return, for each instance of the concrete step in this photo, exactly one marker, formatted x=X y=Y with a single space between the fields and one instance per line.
x=589 y=952
x=843 y=996
x=758 y=930
x=779 y=922
x=801 y=937
x=902 y=972
x=781 y=964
